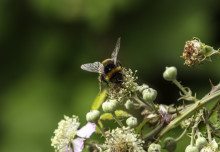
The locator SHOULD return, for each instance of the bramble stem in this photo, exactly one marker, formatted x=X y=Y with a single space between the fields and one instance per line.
x=208 y=132
x=143 y=104
x=194 y=130
x=94 y=145
x=180 y=87
x=181 y=136
x=100 y=128
x=189 y=111
x=153 y=132
x=117 y=120
x=149 y=104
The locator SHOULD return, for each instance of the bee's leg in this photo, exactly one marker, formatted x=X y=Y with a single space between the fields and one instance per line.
x=100 y=84
x=104 y=80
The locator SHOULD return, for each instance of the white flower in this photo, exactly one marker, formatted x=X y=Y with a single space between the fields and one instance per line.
x=126 y=88
x=123 y=140
x=212 y=147
x=64 y=139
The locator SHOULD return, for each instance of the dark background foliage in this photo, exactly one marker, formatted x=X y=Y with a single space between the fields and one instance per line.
x=44 y=42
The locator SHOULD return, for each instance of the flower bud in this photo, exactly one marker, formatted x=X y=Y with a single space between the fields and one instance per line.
x=214 y=144
x=142 y=87
x=170 y=73
x=149 y=94
x=201 y=142
x=154 y=148
x=190 y=148
x=129 y=104
x=170 y=144
x=132 y=122
x=93 y=116
x=109 y=106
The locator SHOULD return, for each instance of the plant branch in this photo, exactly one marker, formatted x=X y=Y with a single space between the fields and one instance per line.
x=180 y=87
x=117 y=120
x=189 y=111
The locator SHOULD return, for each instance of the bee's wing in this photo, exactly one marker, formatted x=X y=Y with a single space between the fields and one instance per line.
x=93 y=67
x=116 y=50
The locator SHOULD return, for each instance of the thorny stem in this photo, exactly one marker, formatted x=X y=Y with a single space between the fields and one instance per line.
x=153 y=132
x=189 y=111
x=153 y=106
x=208 y=132
x=180 y=87
x=213 y=109
x=100 y=128
x=145 y=104
x=173 y=110
x=197 y=120
x=94 y=145
x=117 y=120
x=208 y=128
x=181 y=136
x=212 y=127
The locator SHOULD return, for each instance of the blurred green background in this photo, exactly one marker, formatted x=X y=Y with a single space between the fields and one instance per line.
x=44 y=42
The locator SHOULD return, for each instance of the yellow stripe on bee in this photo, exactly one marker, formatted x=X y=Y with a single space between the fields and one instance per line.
x=105 y=61
x=112 y=72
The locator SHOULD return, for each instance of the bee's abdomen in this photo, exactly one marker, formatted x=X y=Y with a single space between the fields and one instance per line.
x=114 y=75
x=112 y=72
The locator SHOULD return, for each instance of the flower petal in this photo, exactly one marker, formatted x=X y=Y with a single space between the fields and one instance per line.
x=87 y=130
x=78 y=144
x=68 y=149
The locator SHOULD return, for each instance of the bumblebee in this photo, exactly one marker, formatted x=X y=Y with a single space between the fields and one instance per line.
x=109 y=70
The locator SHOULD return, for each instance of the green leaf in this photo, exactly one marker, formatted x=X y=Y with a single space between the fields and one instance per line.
x=97 y=129
x=121 y=114
x=118 y=113
x=141 y=125
x=106 y=116
x=99 y=100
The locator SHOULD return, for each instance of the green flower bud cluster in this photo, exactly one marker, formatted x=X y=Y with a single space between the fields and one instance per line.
x=201 y=143
x=201 y=146
x=211 y=147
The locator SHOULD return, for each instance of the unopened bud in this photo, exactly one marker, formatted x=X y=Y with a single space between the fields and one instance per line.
x=93 y=116
x=132 y=122
x=129 y=104
x=201 y=142
x=214 y=144
x=190 y=148
x=170 y=73
x=149 y=94
x=154 y=148
x=170 y=144
x=109 y=106
x=142 y=87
